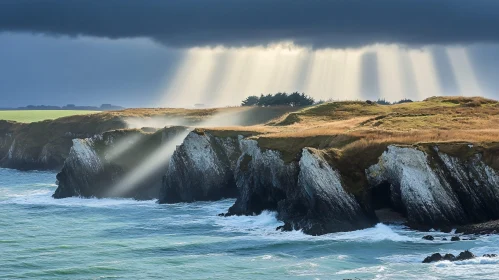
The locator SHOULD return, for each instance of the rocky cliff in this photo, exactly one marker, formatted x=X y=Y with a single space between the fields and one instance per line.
x=45 y=145
x=438 y=186
x=104 y=165
x=432 y=185
x=202 y=168
x=307 y=193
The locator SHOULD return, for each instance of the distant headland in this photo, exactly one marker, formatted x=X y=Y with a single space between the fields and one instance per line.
x=103 y=107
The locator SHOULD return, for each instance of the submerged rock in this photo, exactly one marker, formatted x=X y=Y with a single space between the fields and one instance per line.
x=465 y=255
x=455 y=238
x=428 y=237
x=433 y=258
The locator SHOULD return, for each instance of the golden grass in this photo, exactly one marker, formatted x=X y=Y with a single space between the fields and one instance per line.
x=358 y=126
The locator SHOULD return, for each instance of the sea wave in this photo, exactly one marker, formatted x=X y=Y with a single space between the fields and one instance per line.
x=44 y=197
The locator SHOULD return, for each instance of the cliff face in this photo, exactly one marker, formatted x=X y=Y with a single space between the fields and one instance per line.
x=45 y=145
x=429 y=185
x=307 y=194
x=201 y=169
x=435 y=189
x=103 y=165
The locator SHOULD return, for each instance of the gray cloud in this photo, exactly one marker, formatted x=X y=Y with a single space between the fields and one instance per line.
x=333 y=23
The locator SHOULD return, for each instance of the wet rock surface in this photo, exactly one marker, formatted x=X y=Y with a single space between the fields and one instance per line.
x=465 y=255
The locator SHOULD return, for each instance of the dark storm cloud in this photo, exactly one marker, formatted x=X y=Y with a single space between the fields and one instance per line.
x=335 y=23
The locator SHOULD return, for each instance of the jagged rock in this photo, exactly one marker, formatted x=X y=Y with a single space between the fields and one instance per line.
x=307 y=194
x=433 y=258
x=490 y=227
x=201 y=168
x=449 y=257
x=428 y=237
x=466 y=255
x=99 y=166
x=455 y=238
x=285 y=227
x=434 y=189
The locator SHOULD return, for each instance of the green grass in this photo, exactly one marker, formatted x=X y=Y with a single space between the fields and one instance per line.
x=29 y=116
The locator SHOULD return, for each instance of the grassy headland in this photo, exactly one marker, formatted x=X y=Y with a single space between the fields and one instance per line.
x=29 y=116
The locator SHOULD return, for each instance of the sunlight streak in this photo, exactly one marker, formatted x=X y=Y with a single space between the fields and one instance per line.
x=465 y=75
x=225 y=76
x=424 y=73
x=391 y=80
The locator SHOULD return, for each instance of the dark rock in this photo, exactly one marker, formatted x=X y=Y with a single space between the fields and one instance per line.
x=490 y=227
x=433 y=258
x=466 y=255
x=285 y=227
x=444 y=239
x=449 y=257
x=455 y=238
x=490 y=255
x=428 y=237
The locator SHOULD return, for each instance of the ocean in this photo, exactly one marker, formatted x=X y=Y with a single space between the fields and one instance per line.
x=73 y=238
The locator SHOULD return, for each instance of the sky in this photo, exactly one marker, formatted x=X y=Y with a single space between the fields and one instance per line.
x=153 y=53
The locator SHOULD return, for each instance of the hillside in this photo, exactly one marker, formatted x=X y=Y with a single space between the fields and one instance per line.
x=45 y=144
x=358 y=124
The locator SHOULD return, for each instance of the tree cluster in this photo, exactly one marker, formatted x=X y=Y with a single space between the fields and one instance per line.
x=294 y=99
x=384 y=102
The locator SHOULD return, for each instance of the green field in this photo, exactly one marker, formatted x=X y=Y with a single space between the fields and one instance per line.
x=28 y=116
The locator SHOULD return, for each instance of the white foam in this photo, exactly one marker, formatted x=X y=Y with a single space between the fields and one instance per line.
x=44 y=197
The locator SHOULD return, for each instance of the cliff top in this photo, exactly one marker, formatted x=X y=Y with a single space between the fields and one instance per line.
x=352 y=126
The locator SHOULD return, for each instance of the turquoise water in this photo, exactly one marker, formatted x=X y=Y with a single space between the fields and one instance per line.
x=44 y=238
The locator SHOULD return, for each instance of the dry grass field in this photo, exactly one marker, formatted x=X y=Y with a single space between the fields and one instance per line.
x=352 y=127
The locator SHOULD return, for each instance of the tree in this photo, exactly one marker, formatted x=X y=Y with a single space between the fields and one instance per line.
x=279 y=99
x=250 y=101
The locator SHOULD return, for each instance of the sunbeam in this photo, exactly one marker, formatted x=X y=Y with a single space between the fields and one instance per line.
x=391 y=79
x=222 y=76
x=151 y=165
x=465 y=75
x=425 y=74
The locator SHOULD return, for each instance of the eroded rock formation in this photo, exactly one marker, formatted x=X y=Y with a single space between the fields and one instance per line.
x=435 y=189
x=101 y=166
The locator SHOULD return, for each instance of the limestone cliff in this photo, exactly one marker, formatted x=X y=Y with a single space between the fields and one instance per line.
x=437 y=185
x=45 y=145
x=435 y=189
x=102 y=166
x=201 y=169
x=307 y=194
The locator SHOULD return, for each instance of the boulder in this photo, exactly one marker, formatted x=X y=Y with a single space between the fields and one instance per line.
x=428 y=237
